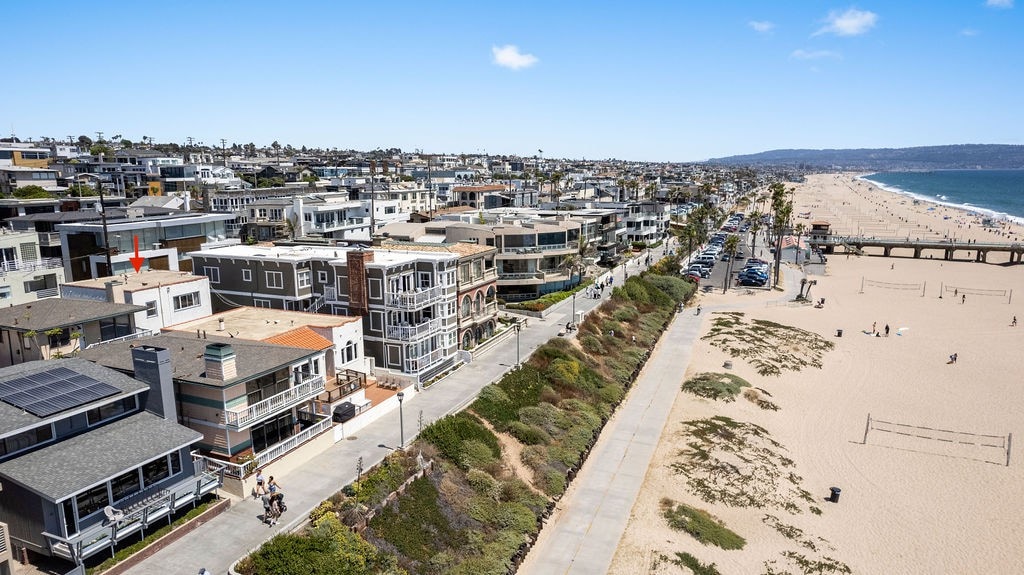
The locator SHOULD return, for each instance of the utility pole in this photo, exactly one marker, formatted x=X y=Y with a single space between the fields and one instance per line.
x=224 y=151
x=106 y=236
x=99 y=137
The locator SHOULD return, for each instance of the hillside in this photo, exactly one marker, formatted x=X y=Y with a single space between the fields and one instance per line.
x=964 y=156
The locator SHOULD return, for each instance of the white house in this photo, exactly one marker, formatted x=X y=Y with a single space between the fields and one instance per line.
x=170 y=297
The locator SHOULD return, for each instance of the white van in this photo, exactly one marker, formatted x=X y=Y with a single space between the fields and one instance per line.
x=705 y=259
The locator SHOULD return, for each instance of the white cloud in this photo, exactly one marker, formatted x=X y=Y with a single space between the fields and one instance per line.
x=968 y=32
x=813 y=54
x=853 y=22
x=762 y=26
x=509 y=56
x=999 y=3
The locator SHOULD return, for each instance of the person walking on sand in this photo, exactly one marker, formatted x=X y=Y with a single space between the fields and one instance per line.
x=874 y=327
x=952 y=358
x=963 y=298
x=1014 y=322
x=886 y=330
x=698 y=311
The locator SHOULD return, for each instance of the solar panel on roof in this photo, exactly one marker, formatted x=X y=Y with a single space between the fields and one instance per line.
x=48 y=392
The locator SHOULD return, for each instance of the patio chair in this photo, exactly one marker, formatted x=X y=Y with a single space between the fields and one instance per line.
x=113 y=515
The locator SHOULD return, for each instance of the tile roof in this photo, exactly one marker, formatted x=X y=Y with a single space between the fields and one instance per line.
x=102 y=453
x=301 y=337
x=252 y=358
x=13 y=418
x=50 y=313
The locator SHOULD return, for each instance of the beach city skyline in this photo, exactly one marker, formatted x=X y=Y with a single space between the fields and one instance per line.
x=657 y=82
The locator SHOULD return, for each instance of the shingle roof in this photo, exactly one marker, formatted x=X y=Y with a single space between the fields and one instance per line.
x=301 y=337
x=13 y=418
x=75 y=464
x=252 y=358
x=49 y=313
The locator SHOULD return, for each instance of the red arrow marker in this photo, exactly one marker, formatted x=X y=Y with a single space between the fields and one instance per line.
x=136 y=261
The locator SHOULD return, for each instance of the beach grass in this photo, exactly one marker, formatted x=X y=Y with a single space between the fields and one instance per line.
x=769 y=346
x=703 y=526
x=694 y=565
x=717 y=386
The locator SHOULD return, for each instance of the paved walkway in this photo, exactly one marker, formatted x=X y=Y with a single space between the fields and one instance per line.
x=583 y=535
x=223 y=540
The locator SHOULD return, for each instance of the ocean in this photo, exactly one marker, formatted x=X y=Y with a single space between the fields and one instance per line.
x=993 y=193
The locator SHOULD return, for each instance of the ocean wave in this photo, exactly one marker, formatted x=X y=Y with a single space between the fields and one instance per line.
x=969 y=208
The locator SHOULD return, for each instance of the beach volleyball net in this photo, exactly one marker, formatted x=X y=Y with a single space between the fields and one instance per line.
x=952 y=443
x=956 y=291
x=866 y=283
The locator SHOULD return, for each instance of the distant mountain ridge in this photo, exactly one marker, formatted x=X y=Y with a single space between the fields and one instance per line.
x=961 y=156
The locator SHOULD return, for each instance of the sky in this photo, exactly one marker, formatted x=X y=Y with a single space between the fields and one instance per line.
x=647 y=81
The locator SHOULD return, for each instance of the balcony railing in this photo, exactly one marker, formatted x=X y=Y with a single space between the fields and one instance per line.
x=279 y=449
x=138 y=515
x=425 y=361
x=30 y=265
x=338 y=224
x=49 y=239
x=48 y=292
x=414 y=299
x=138 y=334
x=521 y=276
x=308 y=389
x=413 y=332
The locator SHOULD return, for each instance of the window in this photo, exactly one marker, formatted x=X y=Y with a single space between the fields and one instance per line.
x=213 y=274
x=175 y=463
x=305 y=278
x=92 y=500
x=125 y=485
x=261 y=303
x=110 y=410
x=5 y=292
x=185 y=301
x=26 y=439
x=246 y=275
x=275 y=280
x=155 y=471
x=321 y=277
x=151 y=310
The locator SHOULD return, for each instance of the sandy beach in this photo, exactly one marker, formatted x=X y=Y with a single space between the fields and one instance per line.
x=915 y=497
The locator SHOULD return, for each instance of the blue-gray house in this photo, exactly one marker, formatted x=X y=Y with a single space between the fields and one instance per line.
x=90 y=456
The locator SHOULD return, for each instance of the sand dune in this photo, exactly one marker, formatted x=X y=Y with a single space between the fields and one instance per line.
x=941 y=503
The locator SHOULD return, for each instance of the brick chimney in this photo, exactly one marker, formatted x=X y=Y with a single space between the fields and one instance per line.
x=220 y=361
x=358 y=299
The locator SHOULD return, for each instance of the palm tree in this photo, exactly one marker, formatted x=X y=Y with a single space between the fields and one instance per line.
x=799 y=229
x=732 y=244
x=755 y=226
x=556 y=178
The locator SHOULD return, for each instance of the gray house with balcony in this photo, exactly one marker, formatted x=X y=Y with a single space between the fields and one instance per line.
x=406 y=299
x=90 y=457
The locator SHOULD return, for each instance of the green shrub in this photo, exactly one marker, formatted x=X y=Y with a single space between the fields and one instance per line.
x=415 y=525
x=328 y=549
x=528 y=434
x=625 y=314
x=592 y=344
x=516 y=517
x=519 y=388
x=483 y=483
x=554 y=482
x=448 y=435
x=476 y=454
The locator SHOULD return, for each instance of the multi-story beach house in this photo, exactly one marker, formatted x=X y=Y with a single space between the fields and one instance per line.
x=250 y=400
x=477 y=281
x=407 y=300
x=532 y=255
x=164 y=241
x=89 y=457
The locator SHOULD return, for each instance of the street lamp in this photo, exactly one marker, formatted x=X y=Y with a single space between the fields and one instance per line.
x=401 y=421
x=574 y=307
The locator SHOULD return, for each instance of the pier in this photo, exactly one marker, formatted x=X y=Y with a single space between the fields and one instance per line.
x=917 y=247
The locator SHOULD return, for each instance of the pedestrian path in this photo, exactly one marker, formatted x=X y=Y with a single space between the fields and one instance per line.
x=583 y=535
x=220 y=542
